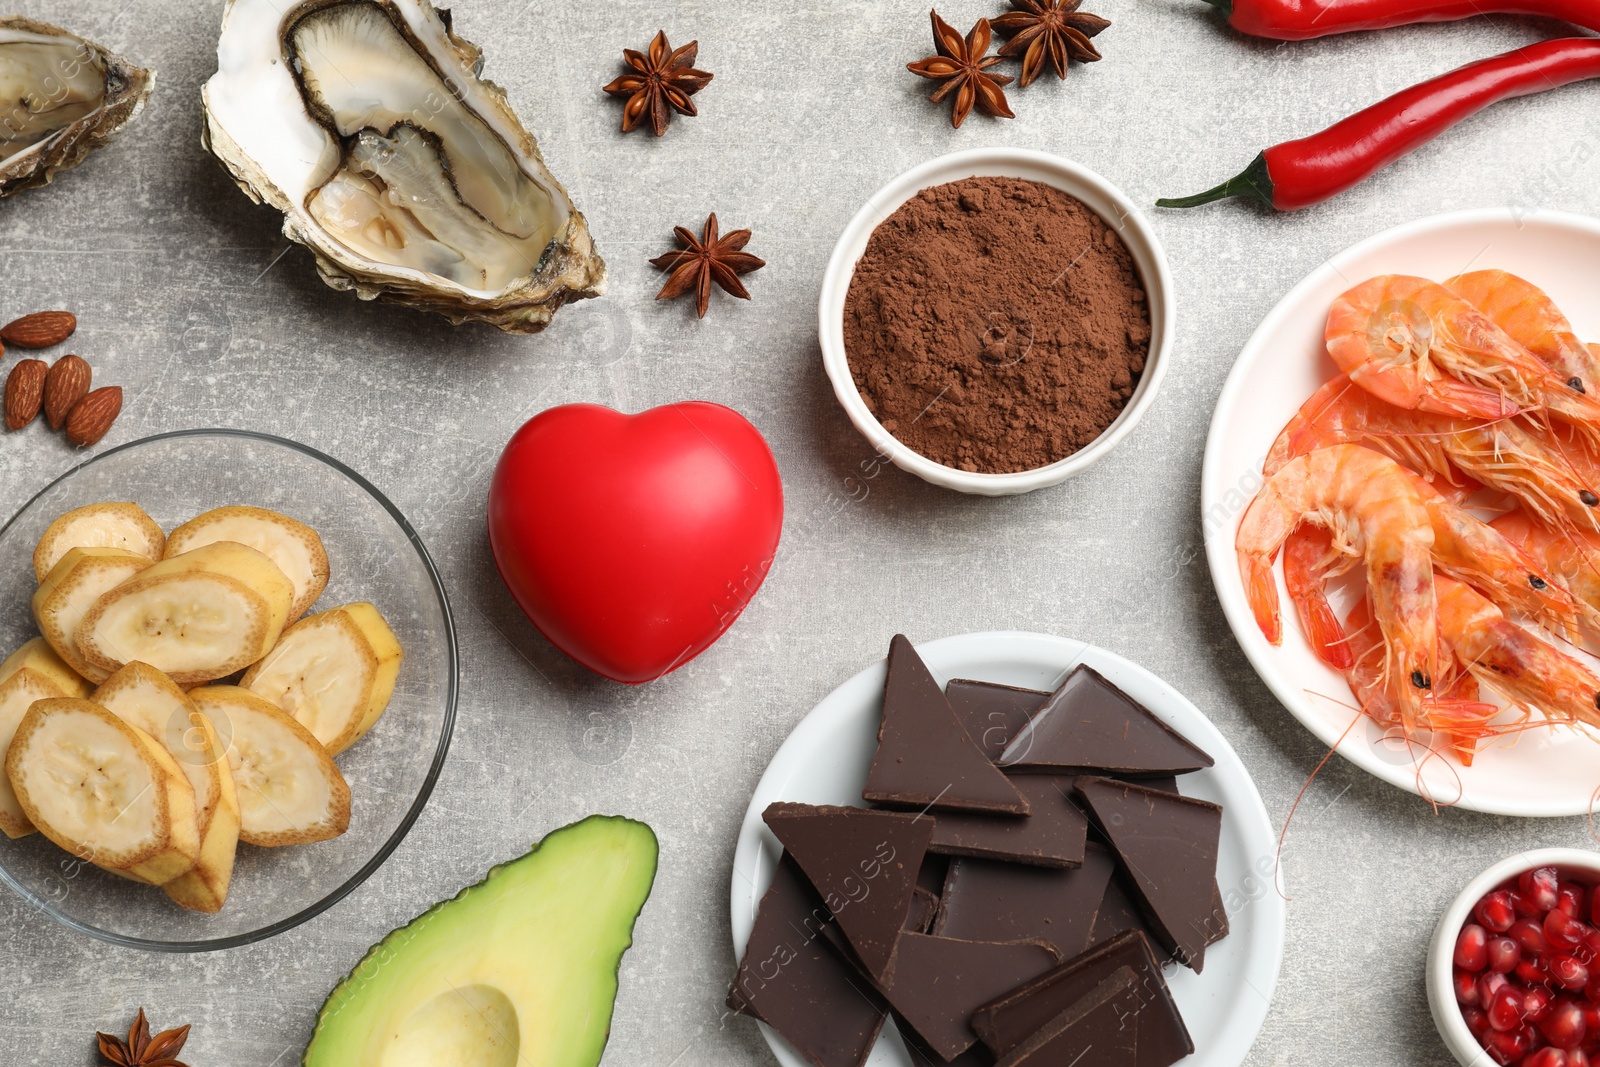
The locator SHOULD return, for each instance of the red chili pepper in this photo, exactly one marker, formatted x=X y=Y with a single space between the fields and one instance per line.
x=1297 y=174
x=1301 y=20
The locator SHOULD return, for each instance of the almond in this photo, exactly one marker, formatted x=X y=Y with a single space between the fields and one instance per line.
x=24 y=391
x=39 y=330
x=92 y=416
x=65 y=385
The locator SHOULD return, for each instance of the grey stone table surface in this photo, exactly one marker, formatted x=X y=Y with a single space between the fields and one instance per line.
x=191 y=299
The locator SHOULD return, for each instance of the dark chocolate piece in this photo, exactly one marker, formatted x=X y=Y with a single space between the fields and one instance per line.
x=1167 y=844
x=1097 y=1031
x=976 y=1056
x=993 y=714
x=1090 y=724
x=925 y=759
x=934 y=868
x=1009 y=1020
x=988 y=901
x=922 y=913
x=796 y=983
x=1166 y=783
x=863 y=863
x=1052 y=835
x=1118 y=912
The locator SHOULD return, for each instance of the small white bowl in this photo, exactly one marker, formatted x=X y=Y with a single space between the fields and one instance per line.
x=1104 y=199
x=1441 y=990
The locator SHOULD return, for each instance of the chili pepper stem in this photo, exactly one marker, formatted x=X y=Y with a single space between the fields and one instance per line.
x=1224 y=6
x=1253 y=182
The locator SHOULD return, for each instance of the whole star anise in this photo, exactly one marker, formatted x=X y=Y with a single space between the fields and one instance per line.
x=665 y=78
x=1048 y=27
x=142 y=1050
x=699 y=262
x=964 y=68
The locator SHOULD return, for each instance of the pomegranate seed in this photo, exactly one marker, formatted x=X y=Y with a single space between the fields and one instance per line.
x=1594 y=907
x=1494 y=912
x=1571 y=899
x=1504 y=954
x=1530 y=935
x=1536 y=1003
x=1568 y=972
x=1524 y=906
x=1577 y=1058
x=1533 y=973
x=1472 y=948
x=1564 y=1026
x=1589 y=951
x=1466 y=986
x=1505 y=1048
x=1539 y=886
x=1546 y=1057
x=1505 y=1009
x=1476 y=1021
x=1591 y=1022
x=1563 y=931
x=1489 y=984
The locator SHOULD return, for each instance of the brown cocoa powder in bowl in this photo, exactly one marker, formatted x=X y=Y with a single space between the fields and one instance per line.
x=996 y=324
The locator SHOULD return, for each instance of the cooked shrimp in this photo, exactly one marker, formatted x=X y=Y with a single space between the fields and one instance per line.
x=1442 y=448
x=1371 y=506
x=1309 y=560
x=1512 y=662
x=1418 y=345
x=1529 y=317
x=1572 y=558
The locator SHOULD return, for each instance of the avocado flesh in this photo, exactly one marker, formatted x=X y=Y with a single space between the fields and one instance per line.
x=518 y=969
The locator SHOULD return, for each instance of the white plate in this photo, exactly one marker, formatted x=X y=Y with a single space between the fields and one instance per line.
x=1542 y=772
x=825 y=761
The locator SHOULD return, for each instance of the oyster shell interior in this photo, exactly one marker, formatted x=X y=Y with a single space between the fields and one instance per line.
x=414 y=178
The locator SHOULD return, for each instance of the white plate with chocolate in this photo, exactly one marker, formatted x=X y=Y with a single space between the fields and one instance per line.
x=1052 y=829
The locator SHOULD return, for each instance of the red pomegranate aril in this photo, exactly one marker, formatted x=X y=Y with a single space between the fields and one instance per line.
x=1577 y=1058
x=1504 y=954
x=1594 y=907
x=1505 y=1008
x=1494 y=912
x=1539 y=886
x=1505 y=1048
x=1536 y=1003
x=1564 y=1026
x=1571 y=899
x=1591 y=1022
x=1546 y=1057
x=1532 y=972
x=1466 y=986
x=1568 y=972
x=1563 y=931
x=1472 y=953
x=1530 y=935
x=1524 y=906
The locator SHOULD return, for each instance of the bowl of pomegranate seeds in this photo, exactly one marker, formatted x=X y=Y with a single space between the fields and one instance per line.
x=1514 y=968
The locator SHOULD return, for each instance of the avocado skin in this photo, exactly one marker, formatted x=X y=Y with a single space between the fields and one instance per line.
x=393 y=949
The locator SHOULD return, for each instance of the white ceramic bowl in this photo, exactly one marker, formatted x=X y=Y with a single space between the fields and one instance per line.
x=1441 y=992
x=1105 y=199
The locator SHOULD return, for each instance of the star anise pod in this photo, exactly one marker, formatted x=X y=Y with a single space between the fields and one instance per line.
x=1049 y=27
x=665 y=78
x=964 y=68
x=142 y=1050
x=699 y=262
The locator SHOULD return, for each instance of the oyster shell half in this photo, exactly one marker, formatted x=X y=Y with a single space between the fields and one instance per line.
x=62 y=97
x=407 y=176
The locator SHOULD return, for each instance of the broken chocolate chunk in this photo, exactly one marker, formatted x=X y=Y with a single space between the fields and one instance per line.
x=1089 y=724
x=923 y=911
x=863 y=863
x=1167 y=844
x=1118 y=912
x=993 y=714
x=1052 y=835
x=794 y=981
x=1097 y=1031
x=925 y=758
x=1007 y=1022
x=988 y=901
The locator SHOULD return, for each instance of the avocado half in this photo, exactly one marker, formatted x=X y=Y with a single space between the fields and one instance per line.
x=520 y=968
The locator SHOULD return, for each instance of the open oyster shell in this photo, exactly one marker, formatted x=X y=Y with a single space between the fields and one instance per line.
x=408 y=176
x=62 y=96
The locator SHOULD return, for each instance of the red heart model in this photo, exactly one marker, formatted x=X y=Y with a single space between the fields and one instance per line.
x=633 y=541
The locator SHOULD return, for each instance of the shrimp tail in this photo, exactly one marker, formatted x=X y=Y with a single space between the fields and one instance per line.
x=1308 y=558
x=1261 y=588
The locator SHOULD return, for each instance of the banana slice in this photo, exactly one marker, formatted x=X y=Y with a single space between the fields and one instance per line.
x=143 y=697
x=119 y=525
x=334 y=672
x=37 y=656
x=195 y=617
x=290 y=792
x=103 y=790
x=17 y=694
x=293 y=546
x=70 y=590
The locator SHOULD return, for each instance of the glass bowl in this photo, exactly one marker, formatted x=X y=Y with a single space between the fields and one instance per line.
x=373 y=554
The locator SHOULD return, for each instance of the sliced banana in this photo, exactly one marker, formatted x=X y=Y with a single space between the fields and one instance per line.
x=70 y=590
x=17 y=694
x=293 y=546
x=144 y=697
x=290 y=792
x=37 y=656
x=195 y=617
x=334 y=672
x=115 y=525
x=103 y=790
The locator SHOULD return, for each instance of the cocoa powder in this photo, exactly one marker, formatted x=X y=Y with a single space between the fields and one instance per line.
x=996 y=324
